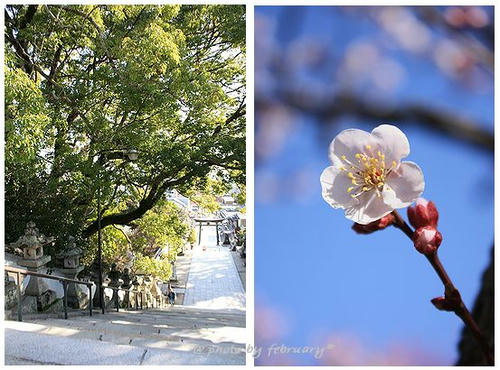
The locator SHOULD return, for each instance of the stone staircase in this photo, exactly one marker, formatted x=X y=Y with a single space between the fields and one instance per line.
x=178 y=335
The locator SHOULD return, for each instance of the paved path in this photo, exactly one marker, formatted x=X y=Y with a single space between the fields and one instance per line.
x=213 y=280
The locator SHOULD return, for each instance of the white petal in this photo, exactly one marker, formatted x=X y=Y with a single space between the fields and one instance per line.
x=393 y=142
x=350 y=142
x=334 y=185
x=370 y=208
x=403 y=185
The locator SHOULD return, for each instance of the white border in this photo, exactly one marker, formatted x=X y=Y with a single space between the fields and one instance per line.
x=249 y=131
x=250 y=183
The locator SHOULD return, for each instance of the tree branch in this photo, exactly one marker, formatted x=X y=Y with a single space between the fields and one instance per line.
x=455 y=125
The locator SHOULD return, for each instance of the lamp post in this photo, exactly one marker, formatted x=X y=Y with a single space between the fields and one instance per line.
x=132 y=155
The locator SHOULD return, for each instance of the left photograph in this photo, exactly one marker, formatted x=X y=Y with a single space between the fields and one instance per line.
x=125 y=184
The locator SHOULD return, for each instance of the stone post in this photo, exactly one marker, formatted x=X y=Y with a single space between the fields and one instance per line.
x=146 y=283
x=136 y=297
x=10 y=294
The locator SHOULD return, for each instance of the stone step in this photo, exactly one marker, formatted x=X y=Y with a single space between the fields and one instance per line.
x=193 y=341
x=182 y=329
x=169 y=318
x=23 y=345
x=125 y=330
x=189 y=314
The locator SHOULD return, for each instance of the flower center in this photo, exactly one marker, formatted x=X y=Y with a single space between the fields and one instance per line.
x=369 y=173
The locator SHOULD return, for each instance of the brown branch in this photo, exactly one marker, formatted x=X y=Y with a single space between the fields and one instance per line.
x=55 y=62
x=159 y=186
x=122 y=218
x=452 y=295
x=456 y=125
x=239 y=112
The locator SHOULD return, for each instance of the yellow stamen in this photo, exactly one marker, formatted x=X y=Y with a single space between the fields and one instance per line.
x=369 y=174
x=394 y=164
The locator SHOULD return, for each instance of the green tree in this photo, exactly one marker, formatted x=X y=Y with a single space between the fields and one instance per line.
x=160 y=268
x=87 y=82
x=241 y=197
x=165 y=225
x=207 y=194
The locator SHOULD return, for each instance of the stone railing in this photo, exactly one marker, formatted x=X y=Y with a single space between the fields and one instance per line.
x=35 y=290
x=36 y=276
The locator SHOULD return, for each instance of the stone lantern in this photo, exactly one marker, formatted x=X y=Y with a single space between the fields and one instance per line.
x=114 y=276
x=228 y=234
x=77 y=297
x=71 y=255
x=31 y=243
x=127 y=283
x=115 y=282
x=126 y=278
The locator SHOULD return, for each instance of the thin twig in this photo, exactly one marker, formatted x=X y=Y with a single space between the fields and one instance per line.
x=451 y=293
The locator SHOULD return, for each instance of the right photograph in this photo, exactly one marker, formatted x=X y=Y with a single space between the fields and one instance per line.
x=374 y=185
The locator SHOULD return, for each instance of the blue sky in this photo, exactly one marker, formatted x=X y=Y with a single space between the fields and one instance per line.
x=311 y=267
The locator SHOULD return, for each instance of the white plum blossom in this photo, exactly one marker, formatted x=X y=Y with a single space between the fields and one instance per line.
x=367 y=177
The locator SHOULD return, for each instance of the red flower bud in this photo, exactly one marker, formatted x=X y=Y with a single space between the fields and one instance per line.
x=424 y=213
x=427 y=239
x=380 y=224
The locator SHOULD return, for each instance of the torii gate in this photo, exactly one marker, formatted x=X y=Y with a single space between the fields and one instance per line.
x=209 y=222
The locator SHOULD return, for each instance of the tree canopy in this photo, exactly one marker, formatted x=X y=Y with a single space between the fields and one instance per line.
x=165 y=227
x=86 y=83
